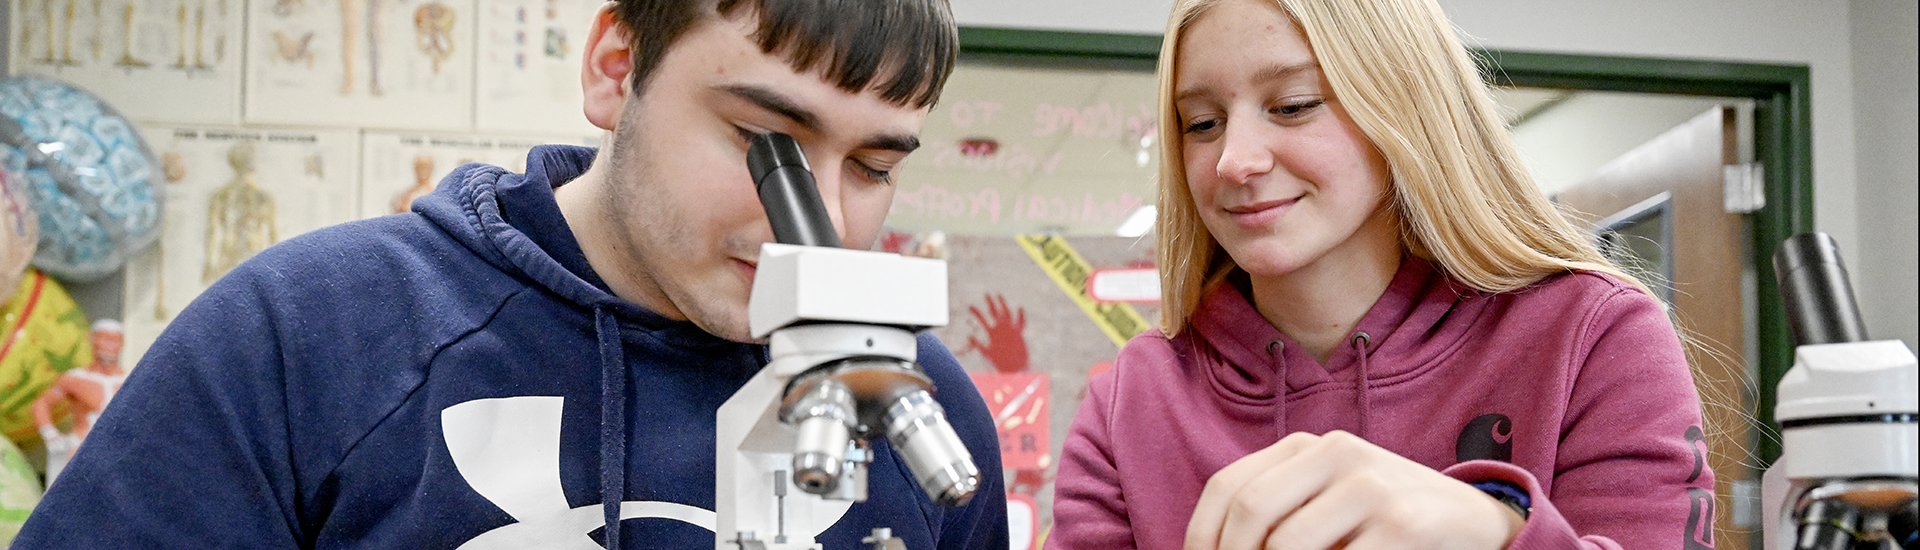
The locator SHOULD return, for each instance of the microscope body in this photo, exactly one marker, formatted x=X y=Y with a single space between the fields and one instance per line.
x=792 y=443
x=1850 y=449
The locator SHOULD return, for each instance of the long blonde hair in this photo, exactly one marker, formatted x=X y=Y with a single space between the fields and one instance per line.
x=1465 y=199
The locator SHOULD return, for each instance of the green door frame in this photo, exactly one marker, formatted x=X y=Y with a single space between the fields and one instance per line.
x=1783 y=139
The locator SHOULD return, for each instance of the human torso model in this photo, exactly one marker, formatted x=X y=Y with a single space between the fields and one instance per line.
x=84 y=392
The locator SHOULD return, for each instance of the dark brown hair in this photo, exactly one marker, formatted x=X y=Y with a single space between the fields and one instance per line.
x=911 y=44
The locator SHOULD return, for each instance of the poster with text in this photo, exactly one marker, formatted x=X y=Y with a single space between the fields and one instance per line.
x=1014 y=149
x=162 y=60
x=529 y=68
x=231 y=193
x=398 y=168
x=400 y=64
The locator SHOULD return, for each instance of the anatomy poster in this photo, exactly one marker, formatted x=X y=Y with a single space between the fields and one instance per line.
x=529 y=71
x=231 y=193
x=157 y=60
x=398 y=168
x=372 y=63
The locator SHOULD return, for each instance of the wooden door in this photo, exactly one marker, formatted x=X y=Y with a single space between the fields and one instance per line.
x=1662 y=206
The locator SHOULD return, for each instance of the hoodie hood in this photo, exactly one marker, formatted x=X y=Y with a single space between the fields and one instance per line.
x=512 y=221
x=1422 y=315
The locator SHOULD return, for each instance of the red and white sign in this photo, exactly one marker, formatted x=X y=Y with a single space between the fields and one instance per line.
x=1018 y=402
x=1130 y=284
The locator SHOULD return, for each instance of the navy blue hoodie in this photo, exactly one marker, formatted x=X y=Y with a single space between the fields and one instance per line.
x=455 y=377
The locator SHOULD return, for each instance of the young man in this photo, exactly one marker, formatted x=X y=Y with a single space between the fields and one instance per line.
x=534 y=361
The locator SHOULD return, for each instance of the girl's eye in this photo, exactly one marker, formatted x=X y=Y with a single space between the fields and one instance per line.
x=1198 y=126
x=1296 y=109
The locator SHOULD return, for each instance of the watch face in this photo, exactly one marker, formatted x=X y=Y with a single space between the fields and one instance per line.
x=1018 y=402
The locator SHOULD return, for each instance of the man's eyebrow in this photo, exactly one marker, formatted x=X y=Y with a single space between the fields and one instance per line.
x=778 y=104
x=787 y=108
x=901 y=143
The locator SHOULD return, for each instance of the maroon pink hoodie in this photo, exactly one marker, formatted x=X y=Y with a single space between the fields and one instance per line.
x=1575 y=389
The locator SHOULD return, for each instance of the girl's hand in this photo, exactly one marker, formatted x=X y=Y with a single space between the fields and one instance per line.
x=1337 y=491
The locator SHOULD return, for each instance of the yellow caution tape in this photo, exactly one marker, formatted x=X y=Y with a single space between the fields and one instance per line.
x=1067 y=269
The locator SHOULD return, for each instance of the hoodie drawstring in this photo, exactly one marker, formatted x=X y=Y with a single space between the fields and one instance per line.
x=1277 y=349
x=613 y=422
x=1360 y=342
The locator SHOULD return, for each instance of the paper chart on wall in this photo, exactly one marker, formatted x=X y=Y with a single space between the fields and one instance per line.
x=403 y=64
x=230 y=193
x=166 y=60
x=397 y=168
x=529 y=69
x=1012 y=150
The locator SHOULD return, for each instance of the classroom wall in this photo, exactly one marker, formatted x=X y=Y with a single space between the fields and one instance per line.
x=1863 y=173
x=1887 y=111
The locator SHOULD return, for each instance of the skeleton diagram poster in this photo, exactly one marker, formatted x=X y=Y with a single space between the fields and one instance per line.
x=529 y=71
x=230 y=194
x=398 y=168
x=158 y=60
x=377 y=63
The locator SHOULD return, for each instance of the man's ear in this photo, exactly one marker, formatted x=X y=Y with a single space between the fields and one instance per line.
x=607 y=68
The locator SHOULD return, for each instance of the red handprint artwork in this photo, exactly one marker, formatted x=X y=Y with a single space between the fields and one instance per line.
x=1006 y=345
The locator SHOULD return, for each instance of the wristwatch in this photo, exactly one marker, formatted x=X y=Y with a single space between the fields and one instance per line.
x=1509 y=494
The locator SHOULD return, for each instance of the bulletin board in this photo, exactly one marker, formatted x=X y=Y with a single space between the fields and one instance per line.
x=1029 y=347
x=1041 y=145
x=1017 y=148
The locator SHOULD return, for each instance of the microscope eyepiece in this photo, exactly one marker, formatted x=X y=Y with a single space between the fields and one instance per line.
x=788 y=192
x=1820 y=305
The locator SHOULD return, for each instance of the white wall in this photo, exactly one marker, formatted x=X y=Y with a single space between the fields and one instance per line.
x=1886 y=43
x=1126 y=16
x=1824 y=35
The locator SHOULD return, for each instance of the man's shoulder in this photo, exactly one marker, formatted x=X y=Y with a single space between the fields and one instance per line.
x=371 y=275
x=375 y=249
x=365 y=239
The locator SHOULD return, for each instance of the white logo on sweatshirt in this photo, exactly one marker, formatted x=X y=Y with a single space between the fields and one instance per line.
x=508 y=449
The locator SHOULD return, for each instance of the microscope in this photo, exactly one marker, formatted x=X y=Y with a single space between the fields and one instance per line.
x=1845 y=479
x=793 y=444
